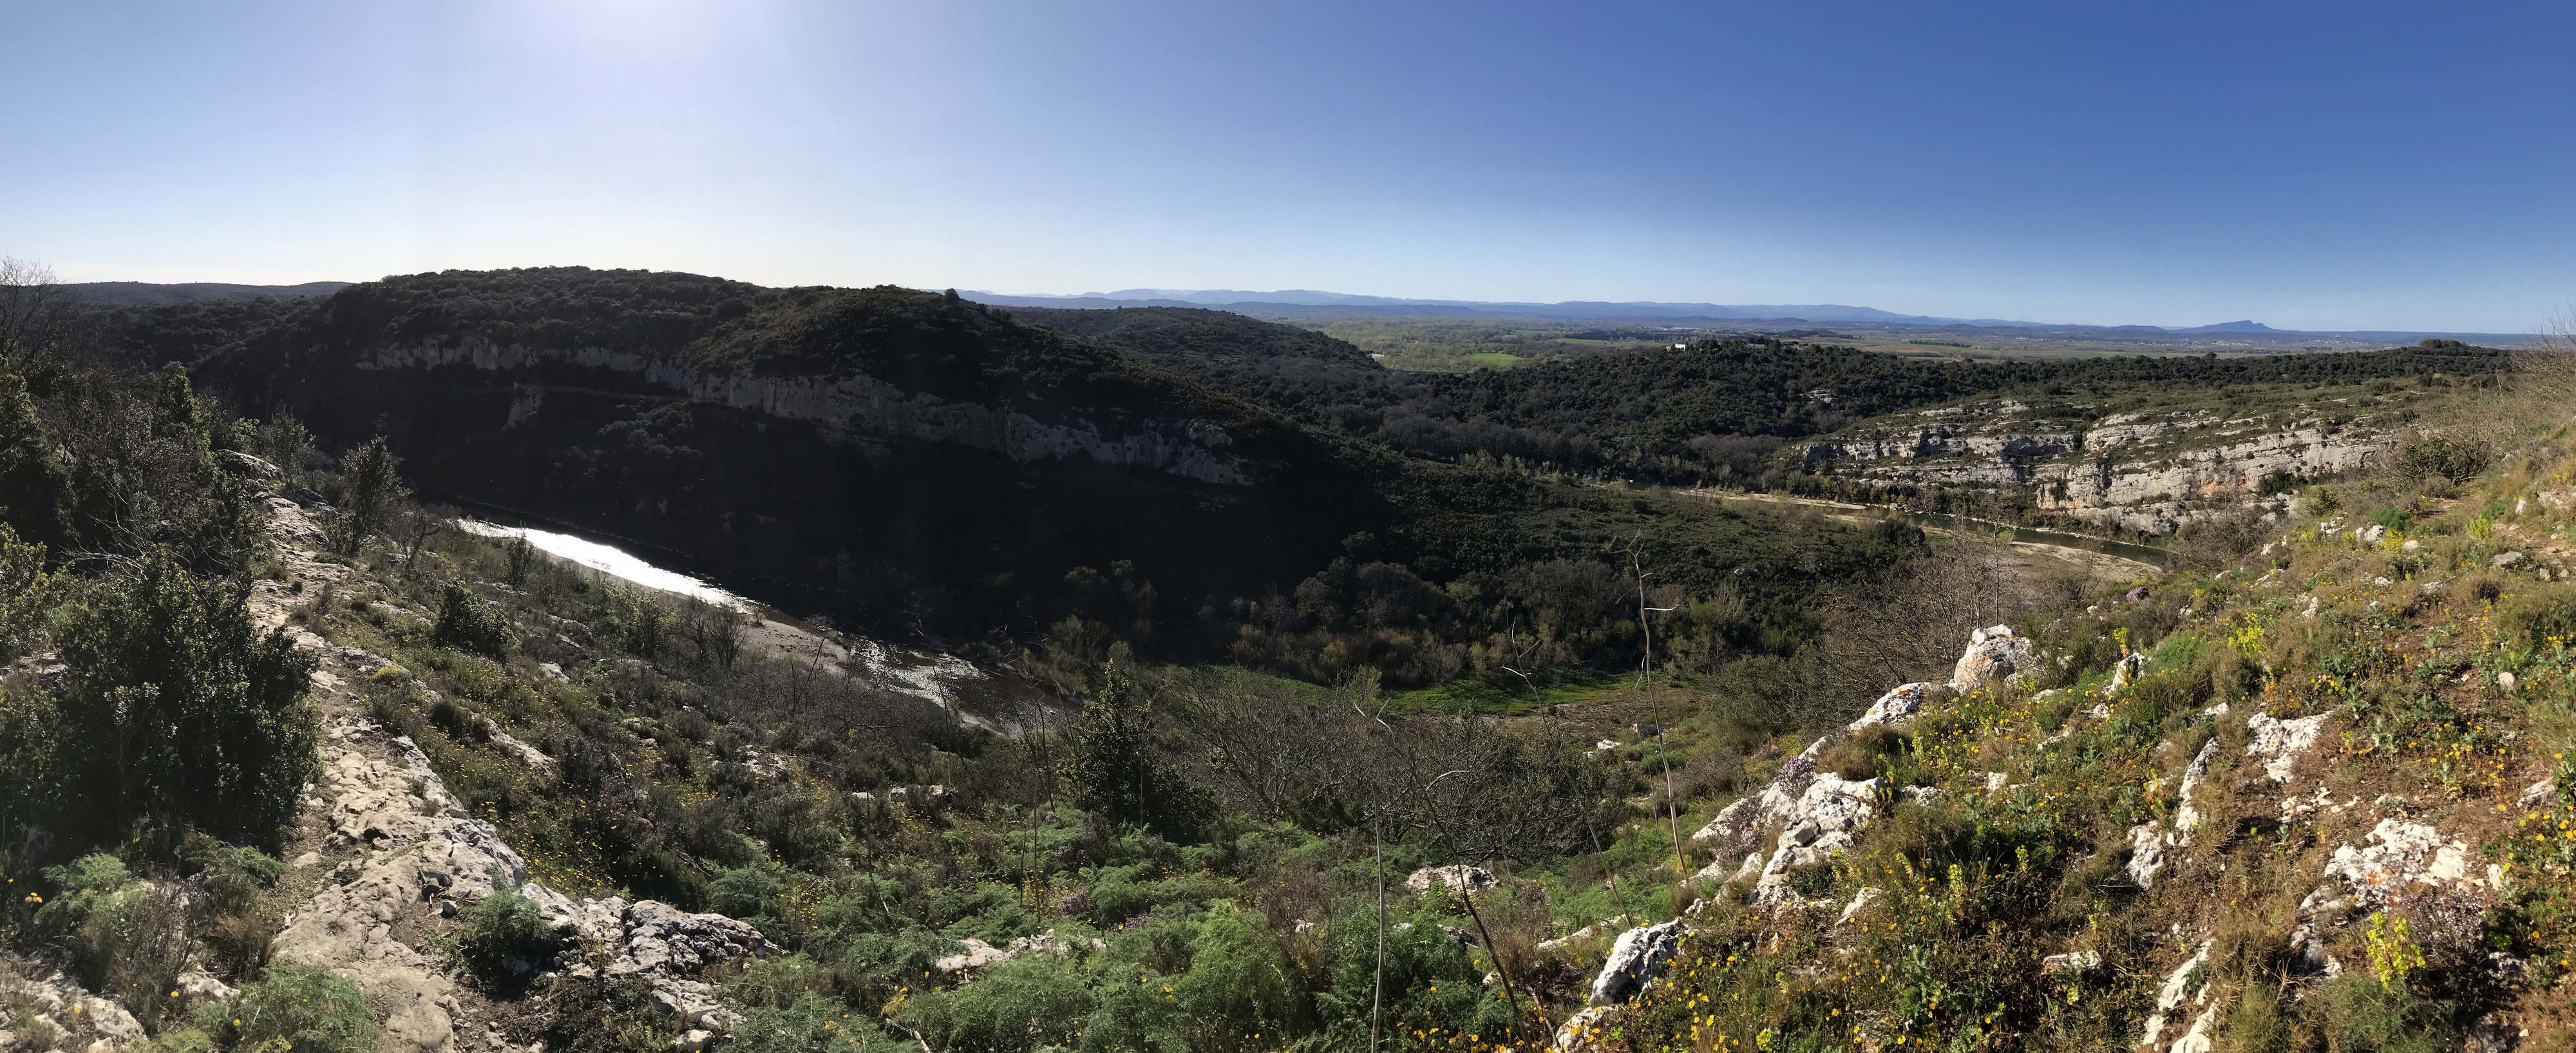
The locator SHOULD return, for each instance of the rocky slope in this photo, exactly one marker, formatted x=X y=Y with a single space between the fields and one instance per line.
x=382 y=867
x=2135 y=468
x=2328 y=809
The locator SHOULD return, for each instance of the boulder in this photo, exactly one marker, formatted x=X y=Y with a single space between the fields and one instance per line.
x=1457 y=878
x=240 y=463
x=1635 y=960
x=1993 y=655
x=2187 y=818
x=1823 y=823
x=2146 y=854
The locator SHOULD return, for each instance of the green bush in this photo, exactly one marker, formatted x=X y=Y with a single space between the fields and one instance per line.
x=1116 y=773
x=466 y=623
x=810 y=1024
x=294 y=1009
x=128 y=940
x=181 y=710
x=505 y=936
x=31 y=763
x=28 y=592
x=235 y=875
x=2538 y=615
x=2453 y=460
x=1034 y=1001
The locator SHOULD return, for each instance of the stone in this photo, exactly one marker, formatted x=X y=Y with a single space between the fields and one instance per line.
x=1456 y=877
x=2125 y=670
x=976 y=954
x=1822 y=824
x=2176 y=988
x=2278 y=743
x=2536 y=794
x=1635 y=960
x=2503 y=560
x=1579 y=1030
x=240 y=463
x=1993 y=654
x=694 y=1040
x=2146 y=854
x=2505 y=681
x=2072 y=962
x=1895 y=707
x=2399 y=854
x=2187 y=818
x=1860 y=901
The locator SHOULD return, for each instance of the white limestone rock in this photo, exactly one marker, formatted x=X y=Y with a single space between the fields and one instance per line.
x=1635 y=960
x=1457 y=878
x=1993 y=654
x=2279 y=743
x=1895 y=707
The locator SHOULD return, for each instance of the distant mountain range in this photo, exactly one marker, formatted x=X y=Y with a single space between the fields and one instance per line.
x=1341 y=303
x=1313 y=301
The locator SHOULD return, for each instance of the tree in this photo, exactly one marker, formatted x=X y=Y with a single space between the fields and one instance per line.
x=370 y=490
x=33 y=486
x=1115 y=771
x=180 y=710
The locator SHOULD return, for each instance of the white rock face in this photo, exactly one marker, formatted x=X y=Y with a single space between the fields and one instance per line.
x=1993 y=655
x=2278 y=743
x=1635 y=960
x=1897 y=706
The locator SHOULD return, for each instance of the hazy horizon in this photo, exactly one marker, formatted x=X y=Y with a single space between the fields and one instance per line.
x=2180 y=166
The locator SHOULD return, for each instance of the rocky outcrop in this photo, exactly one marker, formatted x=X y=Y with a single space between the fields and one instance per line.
x=2137 y=471
x=1635 y=960
x=1820 y=826
x=1456 y=878
x=1993 y=655
x=1897 y=706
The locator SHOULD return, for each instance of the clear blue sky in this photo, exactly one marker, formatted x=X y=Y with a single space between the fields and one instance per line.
x=2327 y=165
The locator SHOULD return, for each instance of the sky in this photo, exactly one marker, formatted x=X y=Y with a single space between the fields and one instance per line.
x=2349 y=165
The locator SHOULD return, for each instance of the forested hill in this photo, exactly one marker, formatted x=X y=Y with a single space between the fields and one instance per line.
x=926 y=465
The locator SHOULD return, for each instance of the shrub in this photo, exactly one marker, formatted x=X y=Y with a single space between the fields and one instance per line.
x=181 y=710
x=505 y=936
x=295 y=1009
x=31 y=770
x=27 y=593
x=810 y=1024
x=1115 y=772
x=234 y=876
x=2452 y=460
x=128 y=940
x=2537 y=615
x=466 y=623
